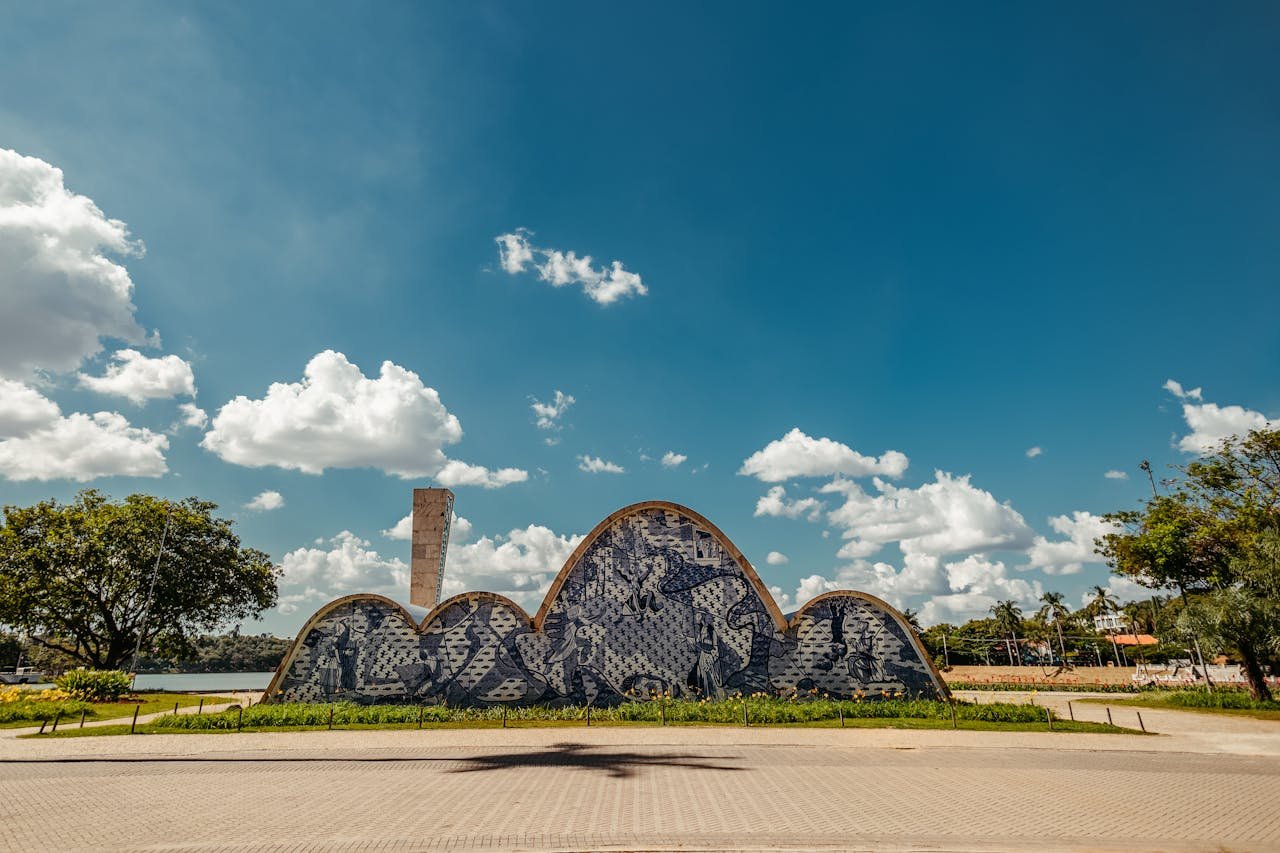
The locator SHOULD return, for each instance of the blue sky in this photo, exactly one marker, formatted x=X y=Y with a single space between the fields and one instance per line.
x=842 y=236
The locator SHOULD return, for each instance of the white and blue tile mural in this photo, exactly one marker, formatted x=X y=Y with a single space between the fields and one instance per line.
x=655 y=600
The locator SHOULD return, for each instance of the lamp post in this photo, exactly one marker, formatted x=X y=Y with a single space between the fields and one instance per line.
x=146 y=608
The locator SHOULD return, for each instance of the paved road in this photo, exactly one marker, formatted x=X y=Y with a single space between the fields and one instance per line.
x=644 y=788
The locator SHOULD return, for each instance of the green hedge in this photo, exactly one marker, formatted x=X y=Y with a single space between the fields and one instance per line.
x=762 y=711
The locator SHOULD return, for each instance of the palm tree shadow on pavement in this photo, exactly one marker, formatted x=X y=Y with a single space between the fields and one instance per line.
x=583 y=757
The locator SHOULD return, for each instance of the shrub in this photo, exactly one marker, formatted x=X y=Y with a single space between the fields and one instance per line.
x=18 y=704
x=95 y=685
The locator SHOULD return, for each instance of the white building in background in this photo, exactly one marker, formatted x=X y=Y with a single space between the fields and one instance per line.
x=1110 y=622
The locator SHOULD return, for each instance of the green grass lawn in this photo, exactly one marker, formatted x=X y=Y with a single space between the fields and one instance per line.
x=146 y=703
x=1233 y=703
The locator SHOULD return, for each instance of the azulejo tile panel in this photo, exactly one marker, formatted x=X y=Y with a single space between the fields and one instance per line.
x=656 y=599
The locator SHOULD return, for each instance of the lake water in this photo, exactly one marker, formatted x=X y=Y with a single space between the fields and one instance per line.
x=205 y=682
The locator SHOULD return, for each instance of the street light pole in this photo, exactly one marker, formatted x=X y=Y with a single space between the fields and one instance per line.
x=146 y=608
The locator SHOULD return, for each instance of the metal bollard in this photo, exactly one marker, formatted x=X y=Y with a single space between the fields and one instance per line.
x=841 y=710
x=662 y=712
x=504 y=716
x=239 y=720
x=200 y=709
x=43 y=723
x=588 y=713
x=57 y=716
x=1048 y=715
x=175 y=709
x=1140 y=725
x=954 y=724
x=1109 y=722
x=1071 y=711
x=745 y=721
x=133 y=725
x=330 y=719
x=82 y=713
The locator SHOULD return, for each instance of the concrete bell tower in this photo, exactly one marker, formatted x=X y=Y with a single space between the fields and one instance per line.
x=432 y=512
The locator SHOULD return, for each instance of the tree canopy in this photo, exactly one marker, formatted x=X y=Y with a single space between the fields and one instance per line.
x=77 y=577
x=1213 y=533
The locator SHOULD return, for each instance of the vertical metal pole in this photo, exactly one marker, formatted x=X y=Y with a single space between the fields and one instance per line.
x=946 y=657
x=57 y=716
x=420 y=709
x=43 y=723
x=1071 y=711
x=588 y=713
x=146 y=608
x=1140 y=724
x=175 y=709
x=504 y=716
x=240 y=720
x=1048 y=715
x=200 y=709
x=662 y=712
x=954 y=724
x=841 y=710
x=331 y=719
x=1109 y=721
x=82 y=713
x=745 y=721
x=133 y=725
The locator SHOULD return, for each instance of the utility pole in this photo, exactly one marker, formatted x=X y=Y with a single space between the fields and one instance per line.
x=946 y=658
x=146 y=608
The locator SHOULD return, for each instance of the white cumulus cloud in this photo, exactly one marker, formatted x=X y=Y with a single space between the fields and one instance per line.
x=775 y=503
x=799 y=455
x=266 y=501
x=192 y=415
x=1068 y=556
x=596 y=465
x=548 y=414
x=1033 y=452
x=671 y=459
x=1113 y=474
x=139 y=378
x=520 y=565
x=342 y=565
x=603 y=285
x=336 y=417
x=776 y=558
x=1210 y=423
x=61 y=291
x=38 y=443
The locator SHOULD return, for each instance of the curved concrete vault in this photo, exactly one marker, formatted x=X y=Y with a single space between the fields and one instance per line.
x=655 y=598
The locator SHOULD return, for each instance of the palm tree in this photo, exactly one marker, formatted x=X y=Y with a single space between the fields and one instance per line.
x=912 y=618
x=1104 y=602
x=1008 y=617
x=1053 y=610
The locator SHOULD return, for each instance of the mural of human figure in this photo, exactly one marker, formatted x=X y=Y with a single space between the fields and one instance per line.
x=864 y=665
x=573 y=655
x=705 y=676
x=328 y=668
x=348 y=648
x=639 y=604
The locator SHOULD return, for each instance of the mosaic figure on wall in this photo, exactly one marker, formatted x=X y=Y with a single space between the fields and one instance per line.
x=655 y=600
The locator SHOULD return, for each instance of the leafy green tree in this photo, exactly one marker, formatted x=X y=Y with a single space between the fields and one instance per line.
x=78 y=577
x=913 y=619
x=1207 y=538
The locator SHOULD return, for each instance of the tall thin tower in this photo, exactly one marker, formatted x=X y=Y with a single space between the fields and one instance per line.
x=432 y=512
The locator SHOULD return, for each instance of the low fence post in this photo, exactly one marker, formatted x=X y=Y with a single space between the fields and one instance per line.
x=588 y=713
x=1071 y=711
x=1140 y=725
x=954 y=724
x=133 y=725
x=200 y=709
x=82 y=713
x=43 y=723
x=420 y=709
x=331 y=719
x=57 y=716
x=662 y=712
x=745 y=720
x=841 y=710
x=240 y=720
x=1048 y=715
x=175 y=709
x=504 y=716
x=1109 y=722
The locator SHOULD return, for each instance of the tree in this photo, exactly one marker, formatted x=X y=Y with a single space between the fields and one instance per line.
x=78 y=577
x=1103 y=602
x=1008 y=616
x=912 y=618
x=1208 y=537
x=1054 y=610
